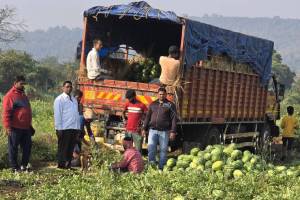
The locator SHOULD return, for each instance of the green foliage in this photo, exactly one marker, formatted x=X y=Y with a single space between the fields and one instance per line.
x=44 y=77
x=283 y=72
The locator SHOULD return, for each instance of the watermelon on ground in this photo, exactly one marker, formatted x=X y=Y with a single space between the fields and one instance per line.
x=218 y=165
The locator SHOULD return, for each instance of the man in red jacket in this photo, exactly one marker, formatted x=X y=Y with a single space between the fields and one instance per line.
x=17 y=117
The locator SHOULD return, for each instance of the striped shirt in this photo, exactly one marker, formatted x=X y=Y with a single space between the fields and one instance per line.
x=135 y=112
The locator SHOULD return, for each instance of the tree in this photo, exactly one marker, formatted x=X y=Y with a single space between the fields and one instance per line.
x=10 y=28
x=14 y=63
x=282 y=71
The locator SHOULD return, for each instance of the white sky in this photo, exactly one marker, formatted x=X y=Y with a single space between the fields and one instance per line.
x=42 y=14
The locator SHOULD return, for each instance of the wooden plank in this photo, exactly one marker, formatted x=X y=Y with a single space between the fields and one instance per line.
x=213 y=93
x=256 y=89
x=190 y=95
x=226 y=94
x=220 y=95
x=197 y=93
x=232 y=97
x=249 y=107
x=246 y=92
x=206 y=92
x=239 y=95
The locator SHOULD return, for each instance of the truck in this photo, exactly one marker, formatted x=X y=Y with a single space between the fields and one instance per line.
x=227 y=92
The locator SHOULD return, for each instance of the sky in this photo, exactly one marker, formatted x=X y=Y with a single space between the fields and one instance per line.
x=42 y=14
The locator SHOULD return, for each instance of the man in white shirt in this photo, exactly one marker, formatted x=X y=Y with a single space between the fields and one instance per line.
x=67 y=124
x=169 y=67
x=93 y=65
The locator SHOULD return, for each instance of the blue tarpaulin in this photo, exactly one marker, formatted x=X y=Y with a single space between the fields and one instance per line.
x=200 y=39
x=135 y=9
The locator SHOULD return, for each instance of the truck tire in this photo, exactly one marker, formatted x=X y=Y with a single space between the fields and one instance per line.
x=264 y=139
x=213 y=137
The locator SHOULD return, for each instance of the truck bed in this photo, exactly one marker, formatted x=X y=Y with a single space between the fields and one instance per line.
x=213 y=95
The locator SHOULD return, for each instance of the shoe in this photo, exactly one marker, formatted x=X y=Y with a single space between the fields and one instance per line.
x=25 y=169
x=15 y=170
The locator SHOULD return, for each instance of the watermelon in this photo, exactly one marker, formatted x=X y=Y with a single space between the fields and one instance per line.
x=237 y=174
x=215 y=157
x=208 y=164
x=171 y=162
x=246 y=158
x=182 y=164
x=194 y=151
x=236 y=154
x=207 y=156
x=232 y=146
x=208 y=148
x=238 y=164
x=216 y=152
x=216 y=166
x=193 y=165
x=200 y=154
x=247 y=152
x=179 y=197
x=200 y=168
x=227 y=151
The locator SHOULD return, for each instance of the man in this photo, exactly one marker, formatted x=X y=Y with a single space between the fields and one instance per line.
x=93 y=66
x=169 y=67
x=67 y=124
x=135 y=110
x=161 y=120
x=17 y=118
x=289 y=124
x=132 y=160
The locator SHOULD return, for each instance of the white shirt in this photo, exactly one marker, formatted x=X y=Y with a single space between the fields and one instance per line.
x=93 y=64
x=66 y=115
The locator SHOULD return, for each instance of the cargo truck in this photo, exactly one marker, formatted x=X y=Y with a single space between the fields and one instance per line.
x=234 y=100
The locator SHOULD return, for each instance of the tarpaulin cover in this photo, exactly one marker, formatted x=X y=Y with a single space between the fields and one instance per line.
x=201 y=39
x=135 y=9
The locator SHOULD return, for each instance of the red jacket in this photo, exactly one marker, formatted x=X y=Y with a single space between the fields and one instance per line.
x=16 y=110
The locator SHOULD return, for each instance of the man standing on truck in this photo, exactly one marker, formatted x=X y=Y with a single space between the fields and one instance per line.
x=67 y=125
x=17 y=118
x=161 y=119
x=93 y=65
x=289 y=124
x=169 y=67
x=135 y=111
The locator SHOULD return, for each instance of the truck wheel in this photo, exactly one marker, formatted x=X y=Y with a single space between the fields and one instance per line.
x=264 y=139
x=213 y=137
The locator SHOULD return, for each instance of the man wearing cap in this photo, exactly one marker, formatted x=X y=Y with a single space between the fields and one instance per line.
x=169 y=67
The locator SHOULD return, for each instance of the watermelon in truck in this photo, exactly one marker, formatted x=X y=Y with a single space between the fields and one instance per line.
x=226 y=91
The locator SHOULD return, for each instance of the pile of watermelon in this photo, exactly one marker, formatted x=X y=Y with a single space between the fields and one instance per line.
x=227 y=162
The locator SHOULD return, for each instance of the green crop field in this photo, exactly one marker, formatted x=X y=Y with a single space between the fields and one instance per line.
x=195 y=176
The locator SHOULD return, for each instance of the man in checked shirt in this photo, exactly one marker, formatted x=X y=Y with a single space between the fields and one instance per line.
x=132 y=160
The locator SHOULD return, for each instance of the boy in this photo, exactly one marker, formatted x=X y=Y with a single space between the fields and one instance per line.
x=289 y=124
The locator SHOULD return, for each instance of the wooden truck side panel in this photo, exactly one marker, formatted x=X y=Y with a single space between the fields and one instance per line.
x=212 y=95
x=109 y=96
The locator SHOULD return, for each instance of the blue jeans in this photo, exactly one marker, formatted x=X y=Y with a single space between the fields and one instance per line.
x=155 y=138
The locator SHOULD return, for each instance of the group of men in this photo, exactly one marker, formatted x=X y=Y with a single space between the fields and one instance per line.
x=157 y=122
